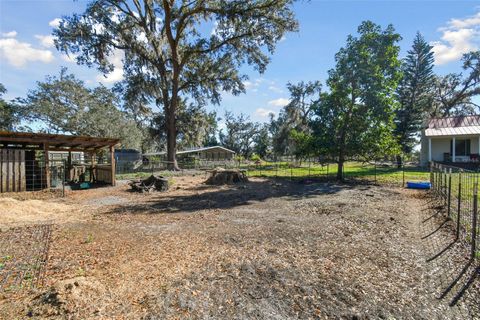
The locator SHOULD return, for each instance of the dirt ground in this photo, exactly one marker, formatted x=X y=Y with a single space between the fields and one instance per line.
x=262 y=250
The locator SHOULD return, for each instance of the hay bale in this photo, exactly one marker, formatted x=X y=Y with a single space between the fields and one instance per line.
x=152 y=183
x=221 y=176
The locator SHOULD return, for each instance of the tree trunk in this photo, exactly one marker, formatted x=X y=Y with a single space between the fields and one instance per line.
x=399 y=161
x=341 y=161
x=171 y=138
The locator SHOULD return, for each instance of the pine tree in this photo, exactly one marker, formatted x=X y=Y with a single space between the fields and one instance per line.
x=414 y=93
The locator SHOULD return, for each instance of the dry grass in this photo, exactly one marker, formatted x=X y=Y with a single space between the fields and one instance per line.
x=262 y=250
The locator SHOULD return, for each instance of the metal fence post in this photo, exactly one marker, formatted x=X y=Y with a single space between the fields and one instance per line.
x=459 y=204
x=445 y=186
x=403 y=175
x=474 y=219
x=431 y=175
x=375 y=170
x=449 y=191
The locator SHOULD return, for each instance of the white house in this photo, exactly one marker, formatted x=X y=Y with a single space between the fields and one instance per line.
x=451 y=139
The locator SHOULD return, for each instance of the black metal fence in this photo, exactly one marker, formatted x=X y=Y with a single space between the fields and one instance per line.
x=457 y=189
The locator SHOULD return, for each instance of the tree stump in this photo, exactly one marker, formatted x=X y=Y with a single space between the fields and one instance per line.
x=221 y=176
x=152 y=183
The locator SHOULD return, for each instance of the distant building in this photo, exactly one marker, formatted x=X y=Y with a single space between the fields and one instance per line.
x=451 y=140
x=127 y=155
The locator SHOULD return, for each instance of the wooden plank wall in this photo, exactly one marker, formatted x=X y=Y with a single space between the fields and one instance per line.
x=12 y=170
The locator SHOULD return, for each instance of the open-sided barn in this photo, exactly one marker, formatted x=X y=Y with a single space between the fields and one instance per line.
x=26 y=164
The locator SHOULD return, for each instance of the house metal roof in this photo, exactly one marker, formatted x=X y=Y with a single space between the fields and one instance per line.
x=195 y=150
x=453 y=126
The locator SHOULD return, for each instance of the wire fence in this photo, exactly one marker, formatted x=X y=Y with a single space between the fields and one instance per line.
x=31 y=175
x=457 y=190
x=381 y=172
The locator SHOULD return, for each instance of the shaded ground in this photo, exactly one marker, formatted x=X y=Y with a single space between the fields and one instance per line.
x=264 y=250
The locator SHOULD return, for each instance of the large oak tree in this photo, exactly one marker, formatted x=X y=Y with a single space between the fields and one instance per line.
x=181 y=48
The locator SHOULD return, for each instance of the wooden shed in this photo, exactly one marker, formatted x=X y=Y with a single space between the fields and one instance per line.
x=25 y=163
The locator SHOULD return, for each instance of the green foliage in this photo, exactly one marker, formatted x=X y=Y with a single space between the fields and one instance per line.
x=414 y=93
x=195 y=127
x=167 y=57
x=239 y=134
x=295 y=115
x=10 y=112
x=262 y=141
x=304 y=144
x=355 y=119
x=65 y=105
x=255 y=157
x=454 y=92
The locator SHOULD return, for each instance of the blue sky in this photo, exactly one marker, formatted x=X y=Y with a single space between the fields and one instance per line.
x=453 y=27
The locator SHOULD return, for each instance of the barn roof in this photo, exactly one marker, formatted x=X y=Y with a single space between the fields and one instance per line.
x=453 y=126
x=55 y=142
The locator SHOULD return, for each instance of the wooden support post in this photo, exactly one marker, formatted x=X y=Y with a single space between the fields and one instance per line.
x=47 y=165
x=68 y=168
x=112 y=164
x=93 y=177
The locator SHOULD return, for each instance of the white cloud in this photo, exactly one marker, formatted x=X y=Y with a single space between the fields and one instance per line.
x=55 y=23
x=465 y=23
x=19 y=53
x=459 y=36
x=247 y=84
x=261 y=112
x=274 y=88
x=11 y=34
x=45 y=41
x=281 y=102
x=117 y=73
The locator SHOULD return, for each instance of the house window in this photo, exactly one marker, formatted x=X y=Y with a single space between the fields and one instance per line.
x=462 y=147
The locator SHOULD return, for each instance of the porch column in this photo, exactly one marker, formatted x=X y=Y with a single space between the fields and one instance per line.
x=453 y=149
x=429 y=149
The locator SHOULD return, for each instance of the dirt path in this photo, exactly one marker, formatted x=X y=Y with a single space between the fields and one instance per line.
x=267 y=250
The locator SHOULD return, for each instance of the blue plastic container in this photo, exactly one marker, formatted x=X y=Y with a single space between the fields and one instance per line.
x=418 y=185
